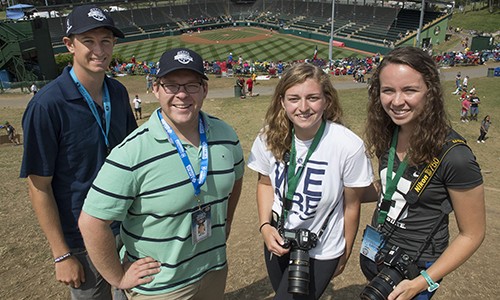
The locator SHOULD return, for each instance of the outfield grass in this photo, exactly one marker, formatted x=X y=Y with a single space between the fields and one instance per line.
x=276 y=47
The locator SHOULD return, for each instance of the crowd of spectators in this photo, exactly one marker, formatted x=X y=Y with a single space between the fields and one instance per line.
x=467 y=57
x=208 y=20
x=348 y=66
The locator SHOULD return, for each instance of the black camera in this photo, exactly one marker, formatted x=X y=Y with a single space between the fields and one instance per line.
x=398 y=266
x=300 y=241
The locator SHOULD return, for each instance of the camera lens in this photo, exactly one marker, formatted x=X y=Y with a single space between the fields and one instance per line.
x=382 y=285
x=298 y=272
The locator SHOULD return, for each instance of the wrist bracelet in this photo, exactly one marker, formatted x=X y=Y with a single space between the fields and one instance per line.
x=263 y=224
x=432 y=285
x=62 y=257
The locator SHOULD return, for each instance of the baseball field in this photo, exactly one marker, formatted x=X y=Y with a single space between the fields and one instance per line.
x=27 y=271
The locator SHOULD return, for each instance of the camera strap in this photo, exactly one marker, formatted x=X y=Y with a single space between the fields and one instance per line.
x=418 y=187
x=421 y=183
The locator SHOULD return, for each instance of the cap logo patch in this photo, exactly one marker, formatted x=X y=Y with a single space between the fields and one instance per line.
x=68 y=25
x=183 y=57
x=97 y=14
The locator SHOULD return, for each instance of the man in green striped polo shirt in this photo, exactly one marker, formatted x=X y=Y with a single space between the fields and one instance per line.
x=174 y=183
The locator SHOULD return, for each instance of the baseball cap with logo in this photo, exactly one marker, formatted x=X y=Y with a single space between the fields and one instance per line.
x=180 y=59
x=87 y=17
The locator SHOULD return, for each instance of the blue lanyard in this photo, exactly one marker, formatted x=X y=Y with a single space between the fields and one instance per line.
x=197 y=182
x=106 y=103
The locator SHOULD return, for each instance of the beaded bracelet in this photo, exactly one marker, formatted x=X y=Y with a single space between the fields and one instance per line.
x=62 y=257
x=263 y=224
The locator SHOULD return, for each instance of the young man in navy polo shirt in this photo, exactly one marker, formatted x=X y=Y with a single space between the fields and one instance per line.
x=70 y=126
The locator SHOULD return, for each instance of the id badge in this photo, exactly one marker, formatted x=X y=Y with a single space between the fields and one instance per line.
x=201 y=224
x=372 y=242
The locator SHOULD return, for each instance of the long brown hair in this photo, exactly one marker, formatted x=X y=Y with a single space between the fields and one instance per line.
x=433 y=123
x=278 y=127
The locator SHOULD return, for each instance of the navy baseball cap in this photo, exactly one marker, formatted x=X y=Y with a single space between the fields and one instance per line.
x=180 y=59
x=87 y=17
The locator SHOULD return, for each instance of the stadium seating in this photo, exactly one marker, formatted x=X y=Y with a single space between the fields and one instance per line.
x=372 y=24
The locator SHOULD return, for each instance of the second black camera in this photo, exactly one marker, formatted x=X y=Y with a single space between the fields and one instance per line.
x=398 y=266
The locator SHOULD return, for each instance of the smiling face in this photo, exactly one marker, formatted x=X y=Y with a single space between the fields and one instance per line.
x=181 y=109
x=304 y=104
x=402 y=94
x=92 y=50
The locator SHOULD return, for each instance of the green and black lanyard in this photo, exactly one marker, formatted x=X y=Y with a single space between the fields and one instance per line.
x=293 y=177
x=391 y=182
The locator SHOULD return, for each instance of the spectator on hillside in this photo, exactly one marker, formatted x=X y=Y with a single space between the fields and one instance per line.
x=149 y=83
x=34 y=89
x=280 y=68
x=240 y=83
x=11 y=133
x=474 y=106
x=458 y=85
x=250 y=87
x=465 y=83
x=137 y=107
x=485 y=126
x=465 y=109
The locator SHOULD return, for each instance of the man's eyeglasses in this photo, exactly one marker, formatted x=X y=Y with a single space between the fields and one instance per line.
x=173 y=88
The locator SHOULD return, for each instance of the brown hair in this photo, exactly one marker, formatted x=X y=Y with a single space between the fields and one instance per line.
x=433 y=124
x=278 y=127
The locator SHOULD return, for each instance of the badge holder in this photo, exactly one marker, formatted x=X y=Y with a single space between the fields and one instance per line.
x=201 y=224
x=373 y=241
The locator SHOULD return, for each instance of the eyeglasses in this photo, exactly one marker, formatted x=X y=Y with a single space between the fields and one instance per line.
x=173 y=88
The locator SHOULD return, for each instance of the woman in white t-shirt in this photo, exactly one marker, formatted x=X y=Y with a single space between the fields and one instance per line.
x=313 y=172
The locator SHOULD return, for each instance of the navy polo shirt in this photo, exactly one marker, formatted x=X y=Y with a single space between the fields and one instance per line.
x=62 y=139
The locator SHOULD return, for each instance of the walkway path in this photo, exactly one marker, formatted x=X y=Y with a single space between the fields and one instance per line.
x=447 y=74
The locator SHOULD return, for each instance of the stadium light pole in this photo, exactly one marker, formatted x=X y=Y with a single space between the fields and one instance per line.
x=331 y=33
x=420 y=23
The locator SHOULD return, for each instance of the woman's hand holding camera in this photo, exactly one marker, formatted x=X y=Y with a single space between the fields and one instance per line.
x=407 y=289
x=274 y=241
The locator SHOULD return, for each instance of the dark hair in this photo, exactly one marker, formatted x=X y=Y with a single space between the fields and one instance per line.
x=433 y=124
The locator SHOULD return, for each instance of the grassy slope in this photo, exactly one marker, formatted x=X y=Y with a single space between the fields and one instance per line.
x=480 y=19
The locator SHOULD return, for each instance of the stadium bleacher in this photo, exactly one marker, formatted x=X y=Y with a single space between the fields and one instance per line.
x=370 y=23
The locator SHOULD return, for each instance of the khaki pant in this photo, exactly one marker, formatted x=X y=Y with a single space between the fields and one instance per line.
x=210 y=287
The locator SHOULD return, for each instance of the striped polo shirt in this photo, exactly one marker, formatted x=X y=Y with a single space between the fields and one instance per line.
x=144 y=184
